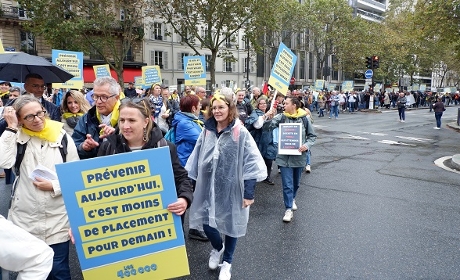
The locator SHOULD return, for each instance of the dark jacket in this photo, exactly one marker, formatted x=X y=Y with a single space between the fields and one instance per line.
x=244 y=110
x=87 y=124
x=173 y=107
x=130 y=92
x=263 y=136
x=116 y=144
x=438 y=107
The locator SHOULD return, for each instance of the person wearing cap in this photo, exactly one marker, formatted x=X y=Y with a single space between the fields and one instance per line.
x=130 y=91
x=4 y=91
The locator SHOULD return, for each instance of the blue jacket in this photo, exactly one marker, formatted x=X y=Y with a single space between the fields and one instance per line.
x=263 y=136
x=87 y=124
x=187 y=132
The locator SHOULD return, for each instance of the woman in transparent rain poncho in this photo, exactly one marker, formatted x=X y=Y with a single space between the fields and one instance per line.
x=226 y=165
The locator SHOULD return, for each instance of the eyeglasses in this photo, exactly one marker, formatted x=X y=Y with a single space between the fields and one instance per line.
x=31 y=117
x=35 y=86
x=102 y=98
x=219 y=108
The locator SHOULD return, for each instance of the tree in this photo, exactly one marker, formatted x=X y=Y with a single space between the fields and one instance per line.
x=330 y=24
x=110 y=29
x=211 y=25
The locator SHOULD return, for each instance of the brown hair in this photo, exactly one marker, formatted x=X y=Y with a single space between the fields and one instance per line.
x=79 y=97
x=232 y=111
x=143 y=105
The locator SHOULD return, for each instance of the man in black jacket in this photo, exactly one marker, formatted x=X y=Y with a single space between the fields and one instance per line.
x=35 y=85
x=130 y=91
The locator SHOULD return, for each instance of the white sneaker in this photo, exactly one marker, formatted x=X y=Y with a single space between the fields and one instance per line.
x=308 y=169
x=294 y=206
x=225 y=273
x=214 y=257
x=288 y=215
x=403 y=121
x=436 y=127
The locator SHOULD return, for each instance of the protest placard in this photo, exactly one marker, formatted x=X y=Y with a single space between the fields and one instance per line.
x=73 y=63
x=117 y=211
x=289 y=138
x=195 y=70
x=282 y=69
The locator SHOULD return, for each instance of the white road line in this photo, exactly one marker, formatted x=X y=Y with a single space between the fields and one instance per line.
x=395 y=143
x=355 y=137
x=414 y=138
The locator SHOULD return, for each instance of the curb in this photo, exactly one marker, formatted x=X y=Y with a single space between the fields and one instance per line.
x=456 y=161
x=454 y=126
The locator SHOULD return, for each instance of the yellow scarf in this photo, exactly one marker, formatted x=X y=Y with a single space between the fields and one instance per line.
x=50 y=132
x=198 y=122
x=298 y=114
x=69 y=115
x=113 y=118
x=4 y=93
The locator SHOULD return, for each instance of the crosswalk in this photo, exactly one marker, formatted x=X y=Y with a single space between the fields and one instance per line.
x=382 y=138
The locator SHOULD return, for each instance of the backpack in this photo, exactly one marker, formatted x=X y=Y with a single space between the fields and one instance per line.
x=171 y=135
x=22 y=149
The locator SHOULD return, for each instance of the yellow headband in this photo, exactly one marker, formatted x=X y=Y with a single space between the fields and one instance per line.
x=221 y=97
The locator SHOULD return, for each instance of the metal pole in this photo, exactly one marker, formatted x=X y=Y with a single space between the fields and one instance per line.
x=247 y=65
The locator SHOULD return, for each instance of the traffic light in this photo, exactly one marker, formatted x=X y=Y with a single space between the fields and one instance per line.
x=375 y=62
x=368 y=62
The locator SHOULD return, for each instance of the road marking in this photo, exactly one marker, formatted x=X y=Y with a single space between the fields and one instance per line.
x=355 y=137
x=414 y=138
x=396 y=143
x=440 y=163
x=373 y=133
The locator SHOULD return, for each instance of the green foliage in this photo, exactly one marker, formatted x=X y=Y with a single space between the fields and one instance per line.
x=211 y=25
x=91 y=26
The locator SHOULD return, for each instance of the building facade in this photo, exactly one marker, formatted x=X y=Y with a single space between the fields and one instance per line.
x=164 y=47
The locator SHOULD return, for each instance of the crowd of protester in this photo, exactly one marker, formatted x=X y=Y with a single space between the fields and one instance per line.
x=223 y=144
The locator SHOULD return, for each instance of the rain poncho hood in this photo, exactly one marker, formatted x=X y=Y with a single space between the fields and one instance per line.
x=220 y=165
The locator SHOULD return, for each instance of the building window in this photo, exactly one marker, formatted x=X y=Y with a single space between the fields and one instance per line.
x=310 y=66
x=157 y=31
x=129 y=55
x=156 y=58
x=228 y=42
x=302 y=66
x=227 y=66
x=208 y=65
x=22 y=13
x=28 y=43
x=180 y=60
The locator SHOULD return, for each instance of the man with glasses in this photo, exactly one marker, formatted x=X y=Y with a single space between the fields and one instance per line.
x=201 y=93
x=101 y=120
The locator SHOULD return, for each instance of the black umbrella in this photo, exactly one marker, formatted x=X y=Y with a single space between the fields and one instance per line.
x=15 y=66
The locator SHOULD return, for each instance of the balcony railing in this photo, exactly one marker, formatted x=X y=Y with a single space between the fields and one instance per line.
x=7 y=11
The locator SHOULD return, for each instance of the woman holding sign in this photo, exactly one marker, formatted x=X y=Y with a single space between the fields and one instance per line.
x=139 y=132
x=226 y=165
x=37 y=205
x=292 y=163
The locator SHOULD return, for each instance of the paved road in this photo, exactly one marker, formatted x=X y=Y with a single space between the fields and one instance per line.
x=374 y=207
